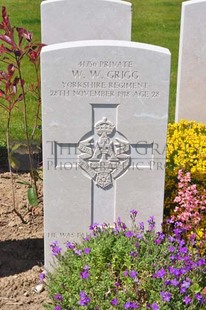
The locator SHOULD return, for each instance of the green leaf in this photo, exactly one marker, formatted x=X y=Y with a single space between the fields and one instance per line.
x=14 y=162
x=36 y=175
x=17 y=146
x=24 y=183
x=195 y=288
x=32 y=196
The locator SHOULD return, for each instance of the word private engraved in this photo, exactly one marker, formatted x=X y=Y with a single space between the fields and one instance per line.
x=107 y=158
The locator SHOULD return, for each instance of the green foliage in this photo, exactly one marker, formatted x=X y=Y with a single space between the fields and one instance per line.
x=26 y=14
x=157 y=22
x=32 y=196
x=17 y=49
x=119 y=268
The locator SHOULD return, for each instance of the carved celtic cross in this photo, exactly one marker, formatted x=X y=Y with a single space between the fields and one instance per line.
x=103 y=155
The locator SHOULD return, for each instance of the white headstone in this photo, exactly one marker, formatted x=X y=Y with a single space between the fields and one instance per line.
x=191 y=90
x=105 y=110
x=73 y=20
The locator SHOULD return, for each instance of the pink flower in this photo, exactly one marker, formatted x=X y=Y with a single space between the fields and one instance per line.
x=190 y=203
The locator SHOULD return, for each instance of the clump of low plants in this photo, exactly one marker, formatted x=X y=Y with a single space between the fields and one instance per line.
x=186 y=149
x=122 y=267
x=190 y=210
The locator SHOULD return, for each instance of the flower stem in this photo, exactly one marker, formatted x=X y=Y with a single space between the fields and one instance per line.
x=30 y=153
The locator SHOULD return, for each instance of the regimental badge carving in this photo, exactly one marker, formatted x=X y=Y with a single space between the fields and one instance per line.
x=107 y=158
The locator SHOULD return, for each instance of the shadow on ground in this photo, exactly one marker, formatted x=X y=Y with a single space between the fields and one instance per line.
x=18 y=256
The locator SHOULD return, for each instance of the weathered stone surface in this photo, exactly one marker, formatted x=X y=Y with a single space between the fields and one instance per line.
x=191 y=91
x=105 y=109
x=73 y=20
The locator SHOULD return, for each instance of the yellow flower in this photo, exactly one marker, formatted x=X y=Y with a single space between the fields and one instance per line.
x=186 y=150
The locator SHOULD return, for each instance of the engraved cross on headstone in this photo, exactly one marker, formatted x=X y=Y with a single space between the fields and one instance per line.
x=103 y=155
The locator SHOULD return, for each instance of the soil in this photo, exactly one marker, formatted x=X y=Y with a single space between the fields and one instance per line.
x=21 y=247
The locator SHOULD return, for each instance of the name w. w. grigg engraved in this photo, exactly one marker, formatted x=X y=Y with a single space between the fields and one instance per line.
x=107 y=158
x=112 y=74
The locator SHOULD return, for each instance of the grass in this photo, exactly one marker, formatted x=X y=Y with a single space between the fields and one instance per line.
x=154 y=22
x=26 y=14
x=157 y=22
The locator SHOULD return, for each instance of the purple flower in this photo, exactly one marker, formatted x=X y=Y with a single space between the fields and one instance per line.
x=160 y=238
x=198 y=297
x=186 y=283
x=184 y=270
x=166 y=296
x=154 y=306
x=121 y=224
x=157 y=241
x=141 y=226
x=160 y=273
x=187 y=300
x=133 y=254
x=58 y=307
x=171 y=248
x=127 y=305
x=56 y=250
x=114 y=302
x=126 y=273
x=171 y=239
x=201 y=262
x=87 y=250
x=177 y=232
x=115 y=229
x=183 y=290
x=93 y=226
x=183 y=250
x=87 y=238
x=133 y=274
x=174 y=282
x=139 y=236
x=131 y=305
x=174 y=271
x=136 y=244
x=151 y=223
x=181 y=243
x=134 y=305
x=85 y=273
x=167 y=282
x=70 y=245
x=133 y=212
x=42 y=276
x=84 y=299
x=129 y=234
x=78 y=252
x=58 y=297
